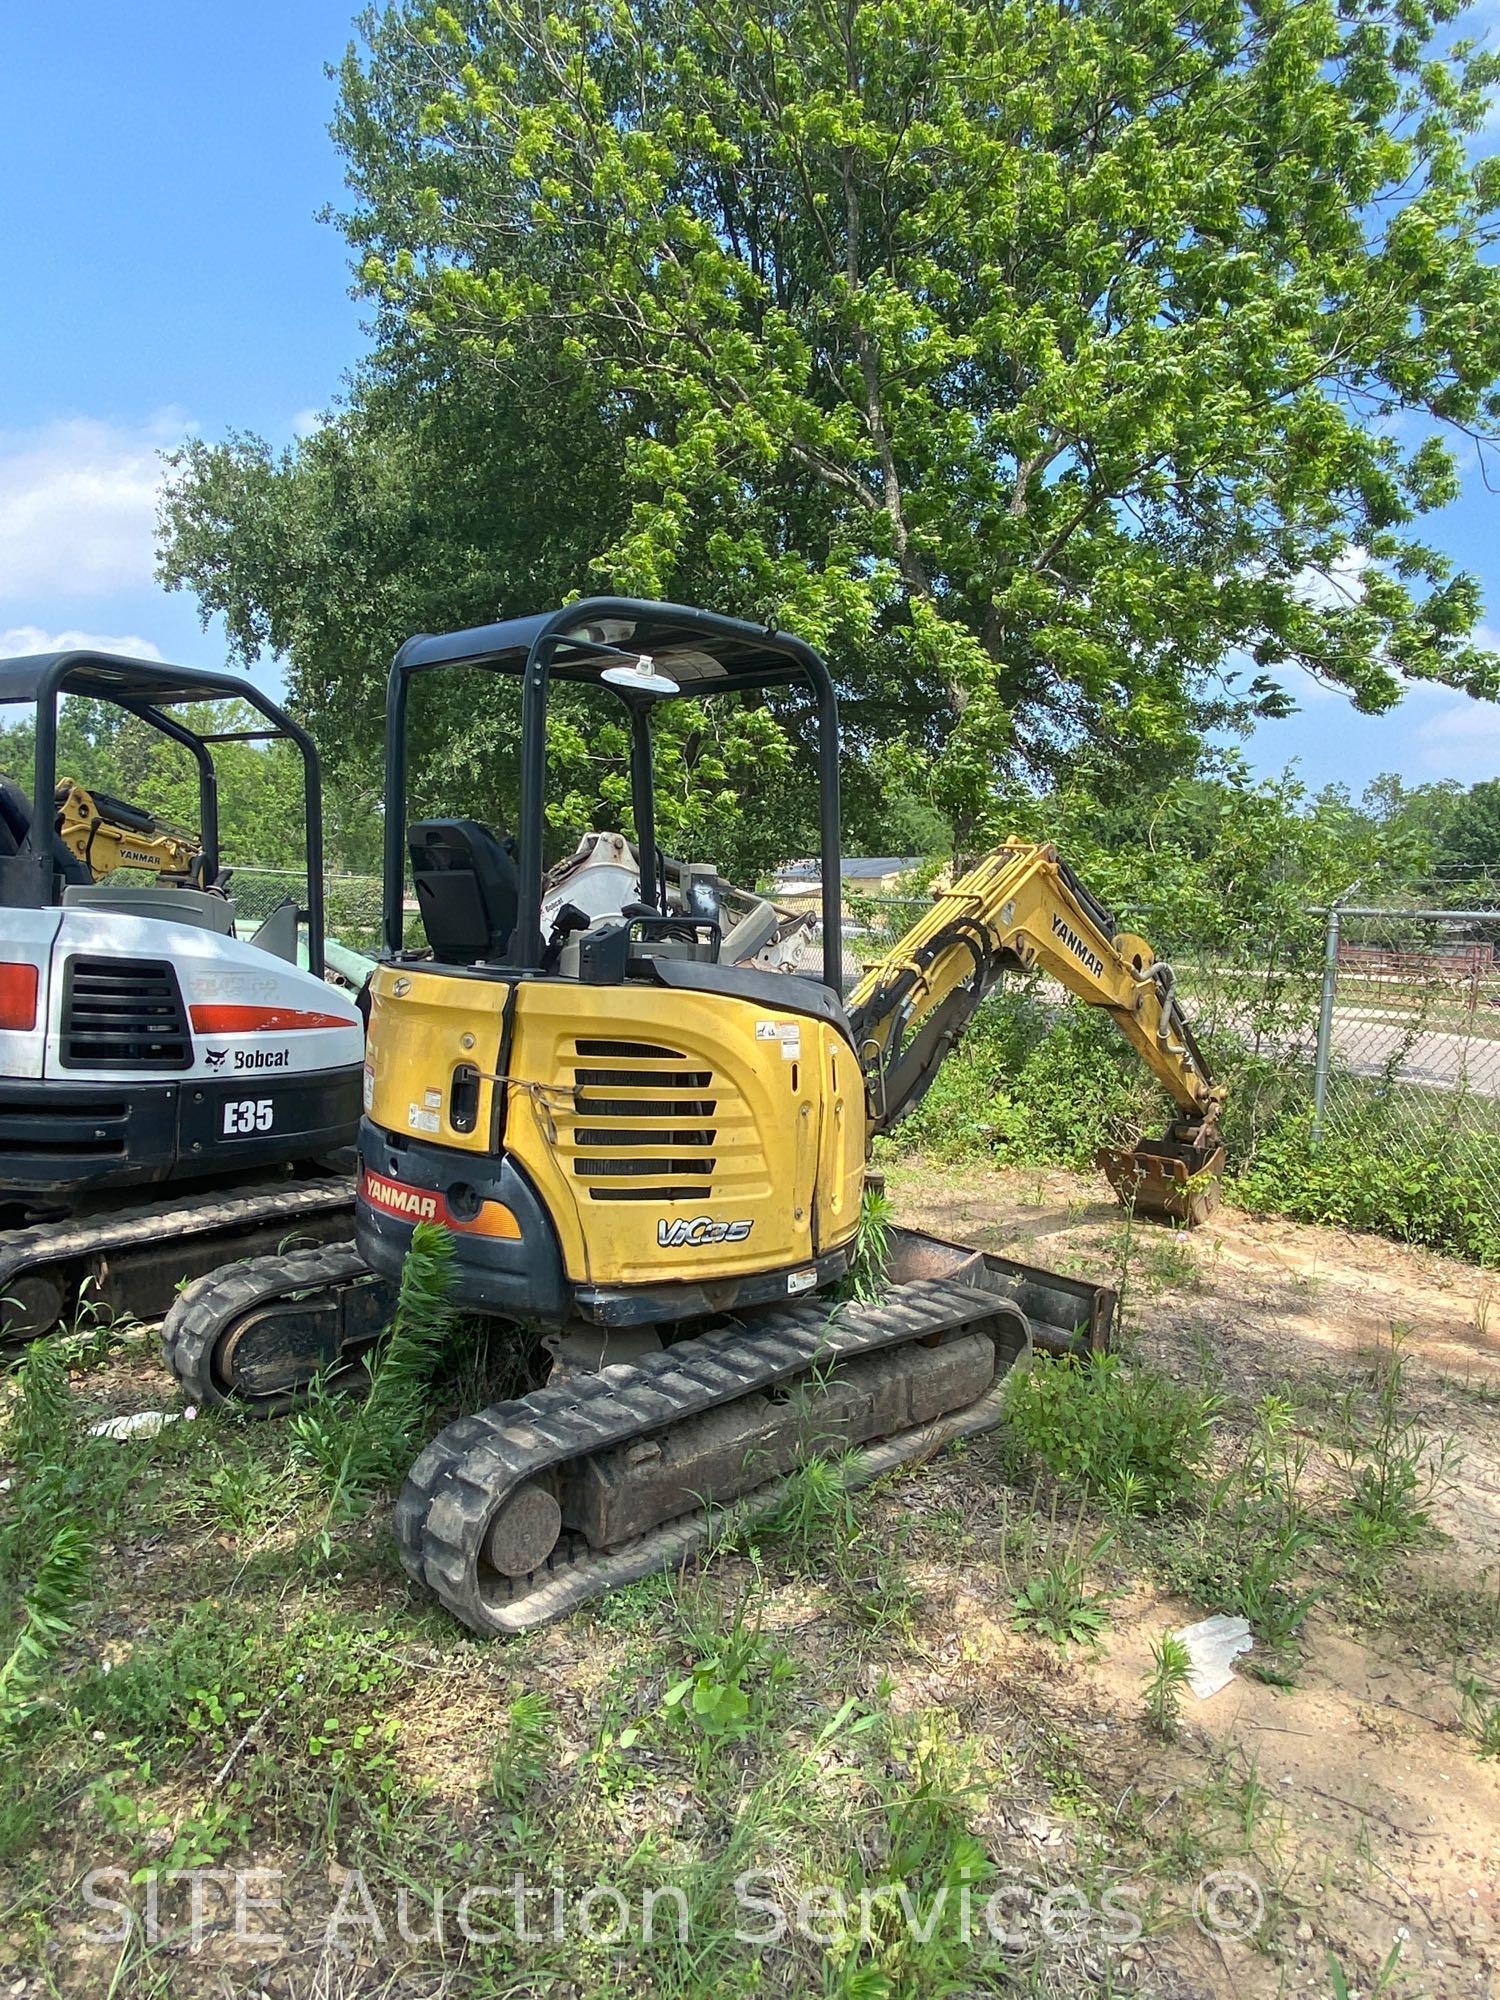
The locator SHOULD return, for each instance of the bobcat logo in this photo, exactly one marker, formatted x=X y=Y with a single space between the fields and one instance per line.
x=684 y=1235
x=216 y=1058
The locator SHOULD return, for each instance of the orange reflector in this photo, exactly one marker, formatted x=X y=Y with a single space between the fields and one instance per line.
x=227 y=1020
x=18 y=990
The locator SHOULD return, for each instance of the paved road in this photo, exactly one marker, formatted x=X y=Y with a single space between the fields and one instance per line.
x=1367 y=1044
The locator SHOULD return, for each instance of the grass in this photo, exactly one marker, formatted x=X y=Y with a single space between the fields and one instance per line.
x=864 y=1695
x=1166 y=1684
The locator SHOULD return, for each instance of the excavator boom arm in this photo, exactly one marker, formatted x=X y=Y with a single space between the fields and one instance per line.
x=1023 y=907
x=106 y=833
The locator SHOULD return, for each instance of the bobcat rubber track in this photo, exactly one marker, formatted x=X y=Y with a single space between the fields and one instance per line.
x=464 y=1475
x=206 y=1311
x=149 y=1240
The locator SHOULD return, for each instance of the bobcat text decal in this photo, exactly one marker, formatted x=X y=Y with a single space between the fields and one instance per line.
x=684 y=1235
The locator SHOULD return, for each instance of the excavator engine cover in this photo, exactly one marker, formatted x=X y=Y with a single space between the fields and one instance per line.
x=1175 y=1178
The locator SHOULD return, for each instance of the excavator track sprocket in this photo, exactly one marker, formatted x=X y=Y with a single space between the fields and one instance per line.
x=254 y=1335
x=490 y=1492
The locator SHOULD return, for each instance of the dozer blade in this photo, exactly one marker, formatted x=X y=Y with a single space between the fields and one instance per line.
x=1175 y=1178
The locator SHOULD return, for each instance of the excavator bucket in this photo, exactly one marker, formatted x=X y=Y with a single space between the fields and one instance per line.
x=1175 y=1178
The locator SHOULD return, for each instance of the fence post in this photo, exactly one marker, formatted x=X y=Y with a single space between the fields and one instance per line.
x=1325 y=1021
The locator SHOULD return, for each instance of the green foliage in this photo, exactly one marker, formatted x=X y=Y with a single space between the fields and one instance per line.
x=1247 y=1550
x=870 y=1263
x=1392 y=1466
x=46 y=1548
x=734 y=1674
x=360 y=1447
x=1056 y=1603
x=1025 y=1088
x=1479 y=1715
x=1382 y=1167
x=1132 y=1436
x=526 y=1751
x=1166 y=1684
x=1034 y=362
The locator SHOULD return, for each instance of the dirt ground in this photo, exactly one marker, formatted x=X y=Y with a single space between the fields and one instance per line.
x=1391 y=1824
x=1339 y=1834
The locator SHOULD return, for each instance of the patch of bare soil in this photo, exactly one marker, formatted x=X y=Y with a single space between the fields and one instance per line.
x=1377 y=1824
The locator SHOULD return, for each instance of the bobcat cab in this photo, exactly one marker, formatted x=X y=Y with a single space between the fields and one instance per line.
x=144 y=1041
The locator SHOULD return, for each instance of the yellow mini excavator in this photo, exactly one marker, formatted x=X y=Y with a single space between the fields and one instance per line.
x=106 y=833
x=649 y=1140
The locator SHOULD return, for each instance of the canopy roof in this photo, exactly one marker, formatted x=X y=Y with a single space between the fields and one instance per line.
x=117 y=677
x=702 y=651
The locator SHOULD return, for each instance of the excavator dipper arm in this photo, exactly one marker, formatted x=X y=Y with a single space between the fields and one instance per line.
x=106 y=833
x=1023 y=908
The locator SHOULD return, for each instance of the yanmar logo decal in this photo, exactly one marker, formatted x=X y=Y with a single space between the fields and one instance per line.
x=684 y=1235
x=412 y=1204
x=1079 y=949
x=490 y=1218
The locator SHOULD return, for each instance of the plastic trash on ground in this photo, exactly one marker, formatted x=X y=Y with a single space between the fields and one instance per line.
x=1213 y=1645
x=143 y=1423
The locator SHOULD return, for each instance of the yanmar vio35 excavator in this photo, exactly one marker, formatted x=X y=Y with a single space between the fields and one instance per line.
x=160 y=1076
x=642 y=1138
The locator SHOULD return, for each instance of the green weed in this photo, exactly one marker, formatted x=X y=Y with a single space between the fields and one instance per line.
x=1056 y=1601
x=525 y=1752
x=1479 y=1716
x=358 y=1448
x=870 y=1264
x=1132 y=1436
x=1392 y=1466
x=1166 y=1683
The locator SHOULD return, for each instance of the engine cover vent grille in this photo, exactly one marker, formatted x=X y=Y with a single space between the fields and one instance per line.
x=123 y=1013
x=662 y=1148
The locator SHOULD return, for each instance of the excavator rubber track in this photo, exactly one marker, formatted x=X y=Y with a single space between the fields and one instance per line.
x=461 y=1483
x=479 y=1520
x=132 y=1260
x=255 y=1334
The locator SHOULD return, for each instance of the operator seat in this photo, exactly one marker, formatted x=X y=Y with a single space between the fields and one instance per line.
x=15 y=824
x=467 y=888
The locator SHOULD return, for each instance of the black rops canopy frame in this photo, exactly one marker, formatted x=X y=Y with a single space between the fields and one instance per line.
x=704 y=652
x=142 y=688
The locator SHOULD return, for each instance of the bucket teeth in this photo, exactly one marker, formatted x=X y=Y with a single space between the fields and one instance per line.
x=1175 y=1178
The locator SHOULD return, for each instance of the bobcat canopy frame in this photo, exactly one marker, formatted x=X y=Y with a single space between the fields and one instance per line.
x=146 y=689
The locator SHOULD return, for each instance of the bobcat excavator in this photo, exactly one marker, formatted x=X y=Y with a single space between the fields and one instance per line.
x=160 y=1075
x=642 y=1139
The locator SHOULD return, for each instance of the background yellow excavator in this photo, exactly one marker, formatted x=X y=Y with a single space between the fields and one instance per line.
x=645 y=1137
x=106 y=833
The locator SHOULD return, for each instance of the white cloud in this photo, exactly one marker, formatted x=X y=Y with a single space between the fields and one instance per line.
x=78 y=504
x=307 y=421
x=19 y=640
x=1461 y=738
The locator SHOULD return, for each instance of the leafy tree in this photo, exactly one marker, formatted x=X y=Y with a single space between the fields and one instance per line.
x=1034 y=360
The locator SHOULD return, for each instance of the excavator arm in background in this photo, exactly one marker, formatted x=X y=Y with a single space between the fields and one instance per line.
x=1023 y=908
x=105 y=833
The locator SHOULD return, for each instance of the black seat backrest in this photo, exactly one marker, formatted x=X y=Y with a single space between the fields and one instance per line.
x=15 y=817
x=15 y=824
x=466 y=883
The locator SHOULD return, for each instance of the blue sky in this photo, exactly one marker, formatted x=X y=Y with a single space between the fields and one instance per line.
x=163 y=164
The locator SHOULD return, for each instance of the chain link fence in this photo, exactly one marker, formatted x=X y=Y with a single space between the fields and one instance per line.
x=1407 y=1050
x=1374 y=1034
